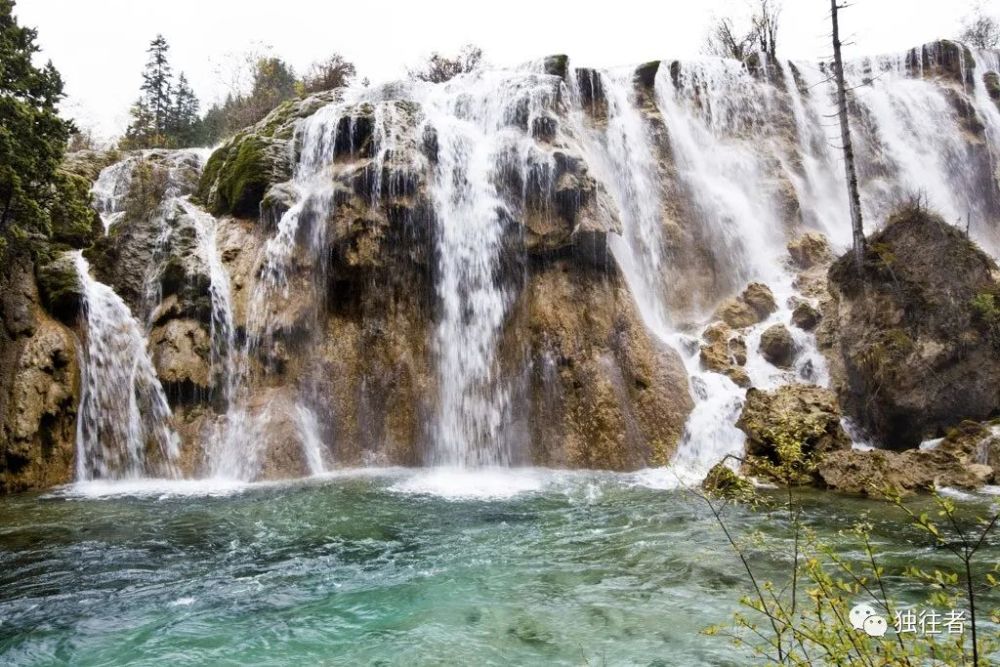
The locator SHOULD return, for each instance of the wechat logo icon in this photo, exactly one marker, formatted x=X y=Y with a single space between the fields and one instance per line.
x=863 y=617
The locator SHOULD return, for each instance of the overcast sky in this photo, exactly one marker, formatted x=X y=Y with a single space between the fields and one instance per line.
x=99 y=45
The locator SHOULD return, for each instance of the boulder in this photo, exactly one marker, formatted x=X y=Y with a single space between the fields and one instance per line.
x=239 y=172
x=556 y=65
x=59 y=287
x=913 y=340
x=723 y=481
x=805 y=316
x=752 y=306
x=806 y=414
x=777 y=346
x=809 y=250
x=725 y=352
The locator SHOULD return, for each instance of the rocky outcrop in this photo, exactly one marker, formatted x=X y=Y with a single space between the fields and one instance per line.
x=805 y=316
x=957 y=461
x=913 y=340
x=803 y=414
x=602 y=392
x=39 y=390
x=810 y=249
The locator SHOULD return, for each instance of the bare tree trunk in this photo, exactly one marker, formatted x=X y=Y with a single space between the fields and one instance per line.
x=854 y=198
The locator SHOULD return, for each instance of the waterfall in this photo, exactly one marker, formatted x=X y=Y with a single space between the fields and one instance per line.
x=474 y=118
x=222 y=331
x=111 y=190
x=123 y=428
x=240 y=440
x=914 y=129
x=717 y=115
x=628 y=165
x=820 y=188
x=744 y=152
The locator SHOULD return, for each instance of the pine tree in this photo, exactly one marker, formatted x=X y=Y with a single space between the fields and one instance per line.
x=156 y=84
x=151 y=112
x=32 y=136
x=183 y=126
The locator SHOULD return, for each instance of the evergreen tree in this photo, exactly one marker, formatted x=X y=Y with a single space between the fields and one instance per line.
x=156 y=84
x=183 y=127
x=152 y=111
x=32 y=136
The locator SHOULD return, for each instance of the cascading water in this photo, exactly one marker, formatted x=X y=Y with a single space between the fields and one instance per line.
x=753 y=165
x=111 y=190
x=237 y=450
x=123 y=428
x=222 y=330
x=628 y=164
x=820 y=187
x=478 y=142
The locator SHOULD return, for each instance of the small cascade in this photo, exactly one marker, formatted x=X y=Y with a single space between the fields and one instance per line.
x=820 y=187
x=222 y=330
x=478 y=143
x=111 y=189
x=312 y=442
x=717 y=115
x=914 y=142
x=628 y=166
x=237 y=449
x=123 y=429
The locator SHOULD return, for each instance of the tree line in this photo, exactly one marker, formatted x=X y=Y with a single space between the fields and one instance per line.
x=166 y=114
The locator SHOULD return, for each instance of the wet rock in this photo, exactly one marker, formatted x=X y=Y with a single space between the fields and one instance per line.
x=39 y=425
x=912 y=342
x=240 y=171
x=592 y=94
x=754 y=305
x=809 y=250
x=556 y=65
x=805 y=316
x=777 y=346
x=804 y=413
x=957 y=461
x=725 y=352
x=602 y=393
x=645 y=74
x=723 y=482
x=59 y=287
x=181 y=351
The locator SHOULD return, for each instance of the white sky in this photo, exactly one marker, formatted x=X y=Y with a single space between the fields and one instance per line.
x=99 y=45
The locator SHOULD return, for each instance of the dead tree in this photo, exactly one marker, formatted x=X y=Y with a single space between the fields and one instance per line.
x=854 y=199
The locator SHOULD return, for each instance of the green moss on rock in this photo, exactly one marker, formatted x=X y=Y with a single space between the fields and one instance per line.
x=238 y=174
x=72 y=219
x=59 y=287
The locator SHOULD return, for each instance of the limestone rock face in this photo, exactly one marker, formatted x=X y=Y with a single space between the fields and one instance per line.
x=805 y=412
x=777 y=346
x=59 y=287
x=603 y=393
x=40 y=392
x=913 y=343
x=180 y=350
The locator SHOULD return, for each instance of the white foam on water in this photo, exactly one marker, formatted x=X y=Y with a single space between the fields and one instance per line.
x=474 y=483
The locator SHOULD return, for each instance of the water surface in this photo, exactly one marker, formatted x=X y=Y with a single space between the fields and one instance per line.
x=388 y=568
